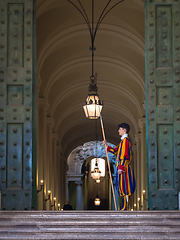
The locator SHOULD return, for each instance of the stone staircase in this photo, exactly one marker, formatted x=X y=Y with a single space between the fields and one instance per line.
x=89 y=225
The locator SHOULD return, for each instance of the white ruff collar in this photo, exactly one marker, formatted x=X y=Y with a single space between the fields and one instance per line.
x=124 y=136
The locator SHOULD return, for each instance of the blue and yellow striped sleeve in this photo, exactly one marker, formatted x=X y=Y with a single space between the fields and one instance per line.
x=114 y=151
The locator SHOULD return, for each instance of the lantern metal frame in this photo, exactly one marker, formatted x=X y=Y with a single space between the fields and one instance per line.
x=96 y=173
x=97 y=201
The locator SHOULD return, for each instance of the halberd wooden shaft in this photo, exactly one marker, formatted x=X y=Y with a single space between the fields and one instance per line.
x=108 y=163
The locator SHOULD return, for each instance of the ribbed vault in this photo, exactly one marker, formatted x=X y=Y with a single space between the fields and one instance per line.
x=64 y=68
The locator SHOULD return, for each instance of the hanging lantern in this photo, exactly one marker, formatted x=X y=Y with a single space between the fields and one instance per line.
x=97 y=201
x=98 y=180
x=92 y=106
x=96 y=173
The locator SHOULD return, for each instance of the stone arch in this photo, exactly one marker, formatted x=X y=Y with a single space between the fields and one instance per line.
x=84 y=154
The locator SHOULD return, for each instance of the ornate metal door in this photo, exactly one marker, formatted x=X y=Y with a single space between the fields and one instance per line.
x=16 y=103
x=163 y=102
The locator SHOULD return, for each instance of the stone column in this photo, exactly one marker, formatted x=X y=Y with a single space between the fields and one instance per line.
x=134 y=204
x=63 y=185
x=48 y=169
x=64 y=180
x=86 y=191
x=142 y=125
x=54 y=168
x=79 y=197
x=58 y=188
x=138 y=180
x=41 y=147
x=67 y=189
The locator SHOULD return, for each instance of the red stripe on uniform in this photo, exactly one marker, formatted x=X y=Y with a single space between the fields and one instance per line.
x=126 y=154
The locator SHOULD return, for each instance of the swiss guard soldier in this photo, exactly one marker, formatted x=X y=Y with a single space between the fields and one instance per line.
x=125 y=180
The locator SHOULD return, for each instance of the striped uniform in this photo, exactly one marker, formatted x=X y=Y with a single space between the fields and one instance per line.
x=125 y=182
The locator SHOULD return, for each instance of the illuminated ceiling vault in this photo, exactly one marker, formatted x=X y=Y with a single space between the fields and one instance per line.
x=64 y=68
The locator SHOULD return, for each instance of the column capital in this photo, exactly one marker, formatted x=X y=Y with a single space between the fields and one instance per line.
x=134 y=148
x=142 y=122
x=43 y=103
x=50 y=122
x=138 y=137
x=55 y=137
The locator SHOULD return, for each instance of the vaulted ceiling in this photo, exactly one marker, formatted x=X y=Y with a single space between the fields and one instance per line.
x=64 y=67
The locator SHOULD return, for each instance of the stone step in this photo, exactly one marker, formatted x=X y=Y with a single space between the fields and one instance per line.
x=89 y=225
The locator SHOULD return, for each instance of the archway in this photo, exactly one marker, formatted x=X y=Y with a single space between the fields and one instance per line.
x=79 y=172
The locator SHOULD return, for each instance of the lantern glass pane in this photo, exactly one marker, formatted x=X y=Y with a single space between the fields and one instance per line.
x=96 y=173
x=92 y=108
x=85 y=110
x=97 y=201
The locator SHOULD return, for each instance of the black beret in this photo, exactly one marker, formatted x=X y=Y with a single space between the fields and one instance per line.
x=124 y=125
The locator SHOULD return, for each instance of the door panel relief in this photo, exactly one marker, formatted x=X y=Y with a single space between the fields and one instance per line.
x=16 y=41
x=163 y=102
